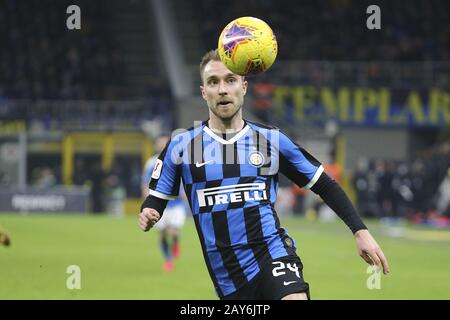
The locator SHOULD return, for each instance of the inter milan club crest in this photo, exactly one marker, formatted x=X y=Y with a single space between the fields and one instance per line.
x=288 y=242
x=256 y=159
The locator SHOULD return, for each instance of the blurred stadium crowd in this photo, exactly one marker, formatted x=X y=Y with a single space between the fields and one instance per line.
x=417 y=189
x=41 y=61
x=332 y=29
x=42 y=64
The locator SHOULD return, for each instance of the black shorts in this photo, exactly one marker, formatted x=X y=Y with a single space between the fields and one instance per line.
x=276 y=280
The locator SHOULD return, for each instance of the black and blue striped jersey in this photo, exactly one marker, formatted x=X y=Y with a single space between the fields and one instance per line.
x=231 y=184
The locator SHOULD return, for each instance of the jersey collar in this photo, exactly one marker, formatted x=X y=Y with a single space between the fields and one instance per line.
x=221 y=140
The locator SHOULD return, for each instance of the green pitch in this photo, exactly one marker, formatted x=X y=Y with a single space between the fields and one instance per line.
x=117 y=261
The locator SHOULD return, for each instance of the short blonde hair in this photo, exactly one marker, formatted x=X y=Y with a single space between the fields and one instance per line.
x=212 y=55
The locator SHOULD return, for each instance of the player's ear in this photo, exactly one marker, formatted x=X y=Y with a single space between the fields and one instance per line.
x=202 y=90
x=244 y=85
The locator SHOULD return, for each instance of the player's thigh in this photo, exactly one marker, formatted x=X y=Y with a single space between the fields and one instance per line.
x=296 y=296
x=162 y=223
x=175 y=217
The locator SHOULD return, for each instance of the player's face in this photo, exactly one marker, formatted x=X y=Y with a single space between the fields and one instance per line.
x=223 y=90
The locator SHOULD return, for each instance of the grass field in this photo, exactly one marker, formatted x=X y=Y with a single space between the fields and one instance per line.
x=118 y=261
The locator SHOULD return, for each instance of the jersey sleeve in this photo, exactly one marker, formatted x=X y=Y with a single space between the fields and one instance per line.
x=166 y=174
x=297 y=164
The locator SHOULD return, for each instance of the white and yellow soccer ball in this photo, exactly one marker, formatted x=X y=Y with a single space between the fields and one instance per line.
x=247 y=46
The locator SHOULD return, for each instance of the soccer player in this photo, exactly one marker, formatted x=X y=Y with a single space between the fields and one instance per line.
x=229 y=167
x=174 y=215
x=4 y=237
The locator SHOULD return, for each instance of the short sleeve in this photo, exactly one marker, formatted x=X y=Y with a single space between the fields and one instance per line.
x=297 y=164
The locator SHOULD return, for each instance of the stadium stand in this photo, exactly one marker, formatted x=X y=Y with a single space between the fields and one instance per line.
x=109 y=78
x=415 y=32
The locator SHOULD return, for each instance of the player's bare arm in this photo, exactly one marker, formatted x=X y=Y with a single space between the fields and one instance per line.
x=370 y=251
x=335 y=197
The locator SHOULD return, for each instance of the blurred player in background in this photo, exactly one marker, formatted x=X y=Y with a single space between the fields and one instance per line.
x=4 y=237
x=174 y=214
x=229 y=167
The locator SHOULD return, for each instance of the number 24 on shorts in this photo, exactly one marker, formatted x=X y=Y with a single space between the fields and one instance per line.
x=277 y=271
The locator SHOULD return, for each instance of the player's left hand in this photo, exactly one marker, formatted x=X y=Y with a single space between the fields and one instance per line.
x=370 y=251
x=147 y=219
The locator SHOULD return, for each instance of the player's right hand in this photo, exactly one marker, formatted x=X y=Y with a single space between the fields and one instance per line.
x=147 y=219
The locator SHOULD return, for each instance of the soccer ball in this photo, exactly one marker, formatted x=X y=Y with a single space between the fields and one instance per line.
x=247 y=46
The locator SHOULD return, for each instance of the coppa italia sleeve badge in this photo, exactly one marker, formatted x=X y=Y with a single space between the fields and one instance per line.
x=157 y=169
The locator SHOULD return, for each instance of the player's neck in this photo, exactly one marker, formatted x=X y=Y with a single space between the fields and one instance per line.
x=233 y=125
